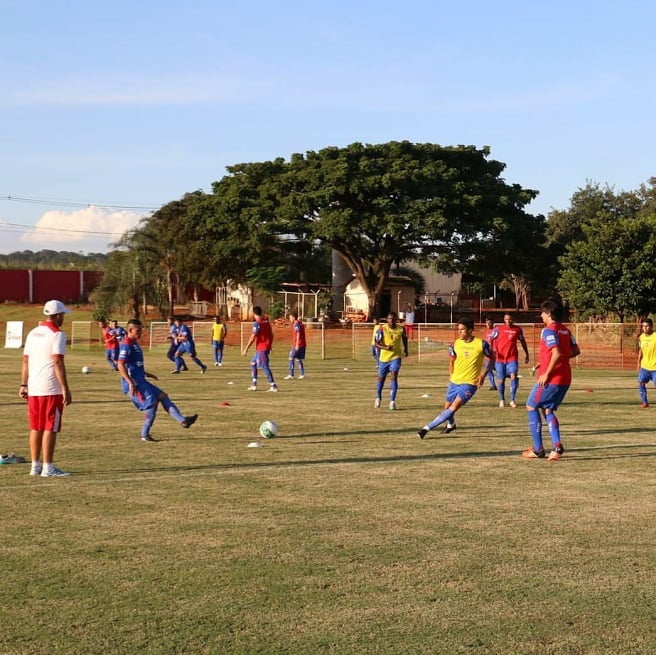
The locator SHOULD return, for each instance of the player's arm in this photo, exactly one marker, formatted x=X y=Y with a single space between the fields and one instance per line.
x=249 y=344
x=22 y=391
x=60 y=374
x=123 y=371
x=488 y=363
x=522 y=340
x=574 y=350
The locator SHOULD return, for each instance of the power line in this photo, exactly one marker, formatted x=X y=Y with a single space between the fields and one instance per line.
x=74 y=203
x=18 y=227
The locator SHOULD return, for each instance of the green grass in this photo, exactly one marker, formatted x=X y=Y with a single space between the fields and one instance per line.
x=345 y=534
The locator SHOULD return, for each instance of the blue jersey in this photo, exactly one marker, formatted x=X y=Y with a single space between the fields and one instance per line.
x=119 y=333
x=131 y=355
x=185 y=334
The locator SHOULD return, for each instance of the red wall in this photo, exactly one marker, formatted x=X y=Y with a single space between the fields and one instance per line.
x=67 y=286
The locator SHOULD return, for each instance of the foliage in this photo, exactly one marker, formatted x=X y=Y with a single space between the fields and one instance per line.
x=53 y=260
x=610 y=270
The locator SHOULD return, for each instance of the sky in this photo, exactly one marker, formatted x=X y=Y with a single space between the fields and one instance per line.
x=109 y=111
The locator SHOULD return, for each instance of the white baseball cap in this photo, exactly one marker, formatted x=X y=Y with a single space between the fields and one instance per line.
x=53 y=307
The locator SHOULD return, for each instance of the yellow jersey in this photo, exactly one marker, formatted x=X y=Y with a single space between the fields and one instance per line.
x=467 y=358
x=390 y=336
x=648 y=349
x=219 y=331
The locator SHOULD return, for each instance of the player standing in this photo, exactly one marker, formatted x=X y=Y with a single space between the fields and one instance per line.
x=111 y=344
x=467 y=355
x=490 y=335
x=262 y=337
x=646 y=359
x=392 y=343
x=507 y=358
x=219 y=334
x=297 y=352
x=557 y=347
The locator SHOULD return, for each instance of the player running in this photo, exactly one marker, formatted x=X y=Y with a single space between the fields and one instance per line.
x=392 y=343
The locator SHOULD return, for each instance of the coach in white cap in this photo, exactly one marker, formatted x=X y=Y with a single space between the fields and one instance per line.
x=45 y=387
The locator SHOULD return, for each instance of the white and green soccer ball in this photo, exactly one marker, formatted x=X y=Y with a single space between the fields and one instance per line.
x=86 y=370
x=268 y=429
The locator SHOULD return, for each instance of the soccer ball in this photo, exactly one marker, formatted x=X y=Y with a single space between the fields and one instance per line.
x=86 y=369
x=268 y=429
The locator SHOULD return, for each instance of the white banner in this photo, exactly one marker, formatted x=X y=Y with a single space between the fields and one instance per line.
x=14 y=335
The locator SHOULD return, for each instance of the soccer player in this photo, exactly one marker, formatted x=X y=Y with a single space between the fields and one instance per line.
x=554 y=376
x=507 y=356
x=219 y=334
x=392 y=343
x=467 y=356
x=297 y=352
x=120 y=334
x=262 y=337
x=111 y=344
x=490 y=335
x=186 y=346
x=134 y=378
x=44 y=386
x=646 y=359
x=374 y=351
x=409 y=320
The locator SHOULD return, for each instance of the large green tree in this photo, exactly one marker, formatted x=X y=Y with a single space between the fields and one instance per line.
x=610 y=270
x=400 y=201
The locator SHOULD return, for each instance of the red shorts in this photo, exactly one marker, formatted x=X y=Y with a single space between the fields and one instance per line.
x=45 y=412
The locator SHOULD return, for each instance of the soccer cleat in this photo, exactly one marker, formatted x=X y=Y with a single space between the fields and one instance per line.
x=531 y=454
x=513 y=404
x=377 y=403
x=176 y=372
x=644 y=405
x=189 y=421
x=288 y=377
x=392 y=405
x=422 y=433
x=148 y=438
x=253 y=387
x=54 y=473
x=36 y=470
x=493 y=389
x=273 y=388
x=450 y=427
x=202 y=370
x=502 y=404
x=301 y=377
x=556 y=453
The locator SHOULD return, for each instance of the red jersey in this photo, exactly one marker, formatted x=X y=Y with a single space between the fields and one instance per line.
x=556 y=335
x=298 y=335
x=263 y=334
x=505 y=344
x=110 y=338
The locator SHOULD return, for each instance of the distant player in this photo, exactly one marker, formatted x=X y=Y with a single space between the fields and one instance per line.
x=111 y=343
x=554 y=376
x=120 y=334
x=392 y=343
x=145 y=395
x=646 y=359
x=491 y=333
x=219 y=334
x=297 y=352
x=467 y=370
x=507 y=358
x=374 y=351
x=186 y=346
x=262 y=337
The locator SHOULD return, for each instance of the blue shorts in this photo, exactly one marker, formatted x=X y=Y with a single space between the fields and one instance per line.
x=297 y=353
x=261 y=359
x=505 y=369
x=186 y=347
x=645 y=375
x=385 y=367
x=463 y=391
x=145 y=395
x=548 y=397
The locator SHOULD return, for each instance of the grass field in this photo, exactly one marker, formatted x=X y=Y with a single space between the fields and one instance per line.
x=345 y=534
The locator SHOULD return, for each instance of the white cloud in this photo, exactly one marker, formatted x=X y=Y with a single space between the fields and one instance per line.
x=91 y=229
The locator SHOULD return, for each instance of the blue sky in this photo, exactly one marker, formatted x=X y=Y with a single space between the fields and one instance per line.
x=107 y=110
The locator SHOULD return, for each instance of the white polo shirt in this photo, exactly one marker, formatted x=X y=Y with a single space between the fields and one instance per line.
x=42 y=344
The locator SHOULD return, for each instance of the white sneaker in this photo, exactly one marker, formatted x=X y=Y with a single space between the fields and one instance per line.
x=377 y=403
x=36 y=470
x=288 y=377
x=392 y=404
x=513 y=404
x=252 y=387
x=54 y=473
x=502 y=404
x=301 y=377
x=273 y=388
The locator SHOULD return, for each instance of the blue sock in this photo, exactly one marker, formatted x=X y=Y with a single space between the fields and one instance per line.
x=149 y=419
x=394 y=387
x=440 y=418
x=535 y=426
x=379 y=387
x=291 y=367
x=501 y=386
x=554 y=429
x=301 y=367
x=642 y=390
x=514 y=385
x=173 y=411
x=179 y=363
